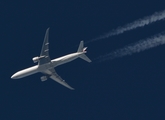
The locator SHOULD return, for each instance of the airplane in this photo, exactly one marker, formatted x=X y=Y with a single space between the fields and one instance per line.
x=46 y=65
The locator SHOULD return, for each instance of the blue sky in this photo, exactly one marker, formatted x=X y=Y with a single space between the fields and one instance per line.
x=127 y=88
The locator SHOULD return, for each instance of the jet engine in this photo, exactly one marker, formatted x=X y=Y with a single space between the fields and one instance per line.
x=36 y=59
x=44 y=78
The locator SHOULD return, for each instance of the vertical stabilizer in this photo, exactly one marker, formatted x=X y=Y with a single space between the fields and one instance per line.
x=81 y=48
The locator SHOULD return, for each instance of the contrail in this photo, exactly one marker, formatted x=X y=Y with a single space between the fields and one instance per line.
x=138 y=23
x=137 y=47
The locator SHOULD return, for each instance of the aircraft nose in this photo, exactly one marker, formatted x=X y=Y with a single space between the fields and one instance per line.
x=14 y=76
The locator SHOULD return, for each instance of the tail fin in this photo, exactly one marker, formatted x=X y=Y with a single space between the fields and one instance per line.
x=81 y=48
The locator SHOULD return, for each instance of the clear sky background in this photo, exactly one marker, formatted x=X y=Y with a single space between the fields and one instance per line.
x=126 y=88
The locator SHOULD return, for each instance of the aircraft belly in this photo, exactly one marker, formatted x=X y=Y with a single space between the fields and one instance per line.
x=26 y=72
x=63 y=61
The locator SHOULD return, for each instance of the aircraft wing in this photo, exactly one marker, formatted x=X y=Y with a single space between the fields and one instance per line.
x=54 y=76
x=45 y=50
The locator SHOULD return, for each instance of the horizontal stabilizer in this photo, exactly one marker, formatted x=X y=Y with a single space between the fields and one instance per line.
x=84 y=57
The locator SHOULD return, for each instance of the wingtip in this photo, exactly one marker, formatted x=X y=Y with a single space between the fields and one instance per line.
x=72 y=88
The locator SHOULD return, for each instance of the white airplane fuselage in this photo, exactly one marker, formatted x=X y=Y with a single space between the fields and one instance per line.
x=46 y=65
x=54 y=63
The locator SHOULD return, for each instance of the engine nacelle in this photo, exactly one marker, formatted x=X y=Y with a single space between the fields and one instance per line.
x=36 y=59
x=44 y=78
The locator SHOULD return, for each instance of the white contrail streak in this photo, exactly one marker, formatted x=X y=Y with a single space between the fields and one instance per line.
x=138 y=23
x=137 y=47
